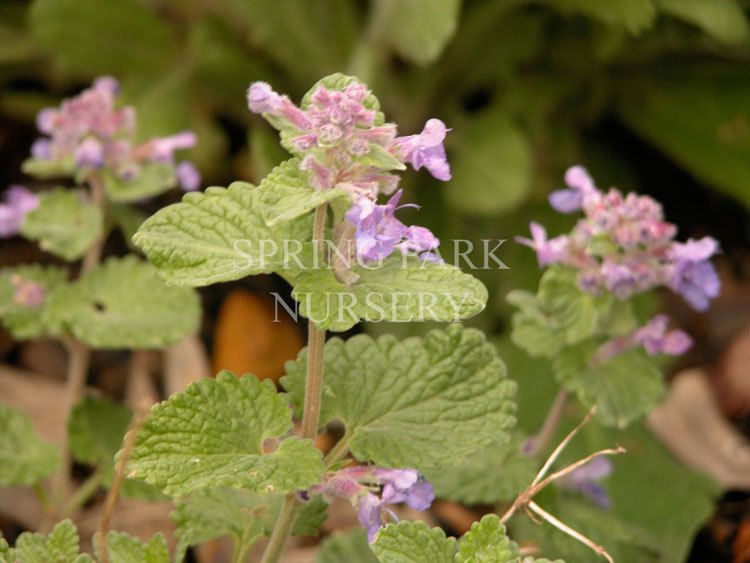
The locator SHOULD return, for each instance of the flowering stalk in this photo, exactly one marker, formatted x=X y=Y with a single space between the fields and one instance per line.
x=310 y=412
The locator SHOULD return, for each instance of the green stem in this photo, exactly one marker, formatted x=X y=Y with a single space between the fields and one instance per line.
x=337 y=452
x=84 y=493
x=310 y=410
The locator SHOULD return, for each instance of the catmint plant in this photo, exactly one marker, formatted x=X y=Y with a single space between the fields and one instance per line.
x=89 y=148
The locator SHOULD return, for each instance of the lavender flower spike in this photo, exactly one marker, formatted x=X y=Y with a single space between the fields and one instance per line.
x=580 y=185
x=692 y=275
x=261 y=98
x=19 y=202
x=656 y=340
x=188 y=177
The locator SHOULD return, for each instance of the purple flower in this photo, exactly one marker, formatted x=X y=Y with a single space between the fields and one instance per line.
x=657 y=340
x=90 y=154
x=19 y=202
x=161 y=149
x=426 y=149
x=27 y=293
x=379 y=233
x=691 y=274
x=262 y=99
x=584 y=480
x=370 y=489
x=188 y=176
x=547 y=251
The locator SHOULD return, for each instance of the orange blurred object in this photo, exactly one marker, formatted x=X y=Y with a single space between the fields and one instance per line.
x=247 y=340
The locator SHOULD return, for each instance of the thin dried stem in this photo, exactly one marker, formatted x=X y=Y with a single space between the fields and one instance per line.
x=551 y=422
x=570 y=531
x=619 y=450
x=561 y=446
x=113 y=494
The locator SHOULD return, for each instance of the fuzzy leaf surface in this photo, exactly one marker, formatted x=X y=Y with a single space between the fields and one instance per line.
x=422 y=402
x=124 y=548
x=63 y=224
x=243 y=515
x=121 y=304
x=215 y=236
x=413 y=542
x=402 y=289
x=212 y=434
x=25 y=459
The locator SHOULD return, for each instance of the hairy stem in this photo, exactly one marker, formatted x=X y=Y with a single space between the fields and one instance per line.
x=310 y=411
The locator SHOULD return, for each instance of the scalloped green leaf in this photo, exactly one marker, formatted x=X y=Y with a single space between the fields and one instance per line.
x=497 y=473
x=486 y=541
x=124 y=548
x=401 y=289
x=346 y=547
x=96 y=427
x=245 y=516
x=422 y=402
x=218 y=235
x=153 y=178
x=286 y=193
x=63 y=224
x=60 y=546
x=25 y=459
x=419 y=30
x=623 y=389
x=413 y=542
x=27 y=321
x=212 y=435
x=121 y=304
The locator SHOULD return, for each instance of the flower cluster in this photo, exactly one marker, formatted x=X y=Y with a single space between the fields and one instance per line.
x=18 y=203
x=370 y=489
x=653 y=337
x=27 y=293
x=624 y=246
x=343 y=143
x=89 y=132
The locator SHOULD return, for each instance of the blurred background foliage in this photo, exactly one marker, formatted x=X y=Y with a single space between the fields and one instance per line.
x=652 y=95
x=529 y=87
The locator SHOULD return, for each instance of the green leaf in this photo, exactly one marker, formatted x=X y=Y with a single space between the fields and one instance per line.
x=153 y=178
x=60 y=546
x=79 y=33
x=308 y=39
x=121 y=304
x=96 y=427
x=413 y=542
x=419 y=30
x=561 y=313
x=346 y=547
x=497 y=473
x=422 y=402
x=244 y=515
x=492 y=167
x=124 y=548
x=623 y=389
x=486 y=541
x=212 y=435
x=634 y=15
x=48 y=169
x=286 y=194
x=697 y=115
x=218 y=235
x=24 y=458
x=722 y=19
x=402 y=289
x=64 y=224
x=27 y=321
